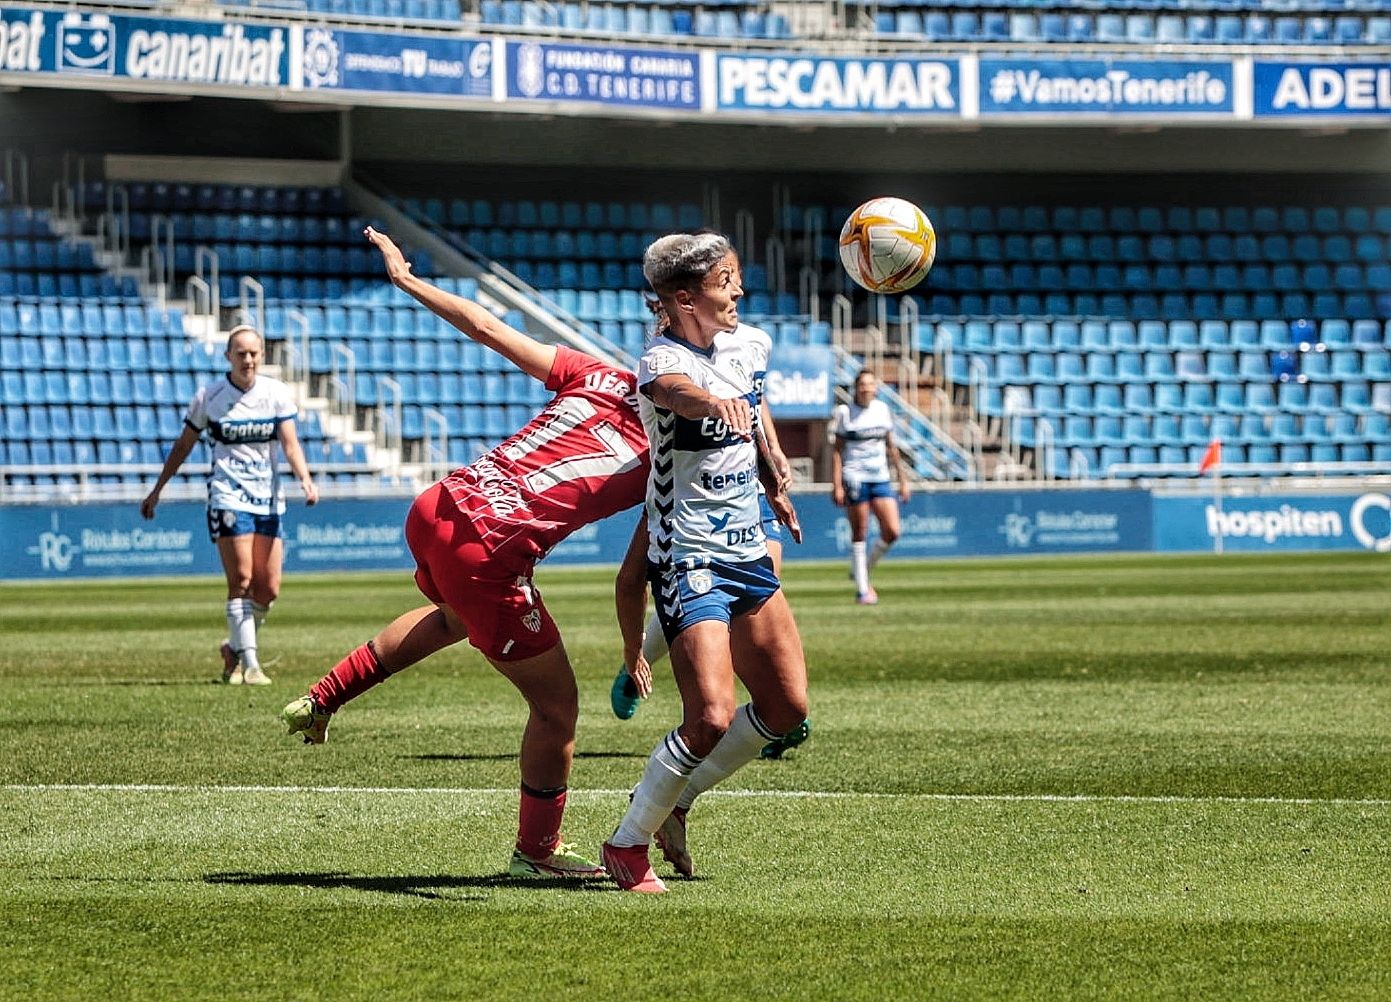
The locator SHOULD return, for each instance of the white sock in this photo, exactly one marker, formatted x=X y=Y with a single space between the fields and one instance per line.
x=858 y=568
x=669 y=768
x=241 y=631
x=740 y=745
x=880 y=548
x=654 y=641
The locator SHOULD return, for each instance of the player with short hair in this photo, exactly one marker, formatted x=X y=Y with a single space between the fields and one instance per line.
x=864 y=449
x=243 y=415
x=720 y=603
x=476 y=537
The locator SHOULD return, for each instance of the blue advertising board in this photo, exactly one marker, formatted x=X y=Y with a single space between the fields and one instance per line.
x=111 y=540
x=1105 y=87
x=600 y=74
x=1285 y=89
x=818 y=85
x=382 y=62
x=798 y=382
x=1274 y=522
x=101 y=45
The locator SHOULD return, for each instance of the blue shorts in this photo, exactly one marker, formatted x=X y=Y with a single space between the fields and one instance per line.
x=772 y=528
x=866 y=490
x=224 y=523
x=690 y=591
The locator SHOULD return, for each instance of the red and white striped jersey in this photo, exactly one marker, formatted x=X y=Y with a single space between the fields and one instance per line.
x=582 y=459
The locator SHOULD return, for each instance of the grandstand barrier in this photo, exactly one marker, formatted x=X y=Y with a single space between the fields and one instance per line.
x=111 y=540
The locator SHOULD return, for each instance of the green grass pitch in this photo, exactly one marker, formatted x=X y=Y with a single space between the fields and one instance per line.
x=1128 y=777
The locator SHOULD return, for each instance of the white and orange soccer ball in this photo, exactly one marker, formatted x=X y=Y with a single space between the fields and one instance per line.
x=888 y=245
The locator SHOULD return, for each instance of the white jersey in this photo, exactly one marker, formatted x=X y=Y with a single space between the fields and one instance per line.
x=702 y=494
x=243 y=426
x=864 y=458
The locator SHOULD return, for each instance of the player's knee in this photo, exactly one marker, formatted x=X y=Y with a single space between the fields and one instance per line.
x=889 y=534
x=707 y=729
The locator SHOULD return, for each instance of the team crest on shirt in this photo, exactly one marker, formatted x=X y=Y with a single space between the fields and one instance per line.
x=532 y=621
x=739 y=369
x=662 y=359
x=699 y=580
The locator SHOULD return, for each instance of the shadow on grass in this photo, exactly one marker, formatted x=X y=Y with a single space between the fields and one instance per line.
x=442 y=757
x=425 y=886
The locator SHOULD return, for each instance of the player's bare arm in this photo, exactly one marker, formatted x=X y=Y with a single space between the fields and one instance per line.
x=475 y=321
x=837 y=469
x=679 y=394
x=630 y=602
x=905 y=490
x=294 y=455
x=178 y=452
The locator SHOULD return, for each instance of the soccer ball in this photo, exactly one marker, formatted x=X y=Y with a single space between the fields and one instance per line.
x=888 y=245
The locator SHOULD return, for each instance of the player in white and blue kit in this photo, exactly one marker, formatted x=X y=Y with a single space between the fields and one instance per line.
x=864 y=449
x=244 y=415
x=718 y=598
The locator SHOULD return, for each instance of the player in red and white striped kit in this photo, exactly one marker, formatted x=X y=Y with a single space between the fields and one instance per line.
x=476 y=537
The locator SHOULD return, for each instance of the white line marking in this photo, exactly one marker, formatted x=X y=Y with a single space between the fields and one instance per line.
x=454 y=791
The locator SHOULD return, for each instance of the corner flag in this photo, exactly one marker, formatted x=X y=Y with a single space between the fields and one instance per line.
x=1212 y=458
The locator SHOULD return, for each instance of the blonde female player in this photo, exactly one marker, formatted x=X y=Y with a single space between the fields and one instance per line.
x=864 y=450
x=720 y=603
x=244 y=415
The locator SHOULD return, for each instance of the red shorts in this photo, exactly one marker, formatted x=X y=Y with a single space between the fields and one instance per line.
x=499 y=605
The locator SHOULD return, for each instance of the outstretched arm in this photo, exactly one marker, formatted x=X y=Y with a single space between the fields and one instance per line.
x=178 y=452
x=527 y=354
x=680 y=394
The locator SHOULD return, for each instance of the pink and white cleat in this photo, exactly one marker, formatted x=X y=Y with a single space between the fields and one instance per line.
x=867 y=597
x=630 y=867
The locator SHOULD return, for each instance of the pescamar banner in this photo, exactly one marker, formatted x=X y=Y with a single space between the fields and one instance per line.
x=1110 y=87
x=825 y=86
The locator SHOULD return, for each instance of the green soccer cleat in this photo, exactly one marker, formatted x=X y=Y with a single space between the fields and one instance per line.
x=563 y=862
x=623 y=695
x=794 y=737
x=303 y=717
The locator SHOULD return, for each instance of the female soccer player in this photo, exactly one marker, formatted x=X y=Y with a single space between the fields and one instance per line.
x=476 y=537
x=244 y=415
x=864 y=440
x=631 y=687
x=720 y=604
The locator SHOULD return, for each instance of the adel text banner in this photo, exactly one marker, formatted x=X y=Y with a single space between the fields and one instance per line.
x=1315 y=90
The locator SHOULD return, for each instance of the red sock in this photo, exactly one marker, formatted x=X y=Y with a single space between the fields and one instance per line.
x=538 y=831
x=350 y=678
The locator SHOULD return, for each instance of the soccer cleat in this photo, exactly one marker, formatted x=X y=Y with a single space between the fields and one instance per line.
x=231 y=671
x=794 y=737
x=671 y=837
x=623 y=695
x=303 y=717
x=868 y=597
x=254 y=676
x=563 y=862
x=629 y=867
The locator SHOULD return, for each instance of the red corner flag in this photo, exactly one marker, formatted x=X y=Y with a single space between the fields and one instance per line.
x=1212 y=458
